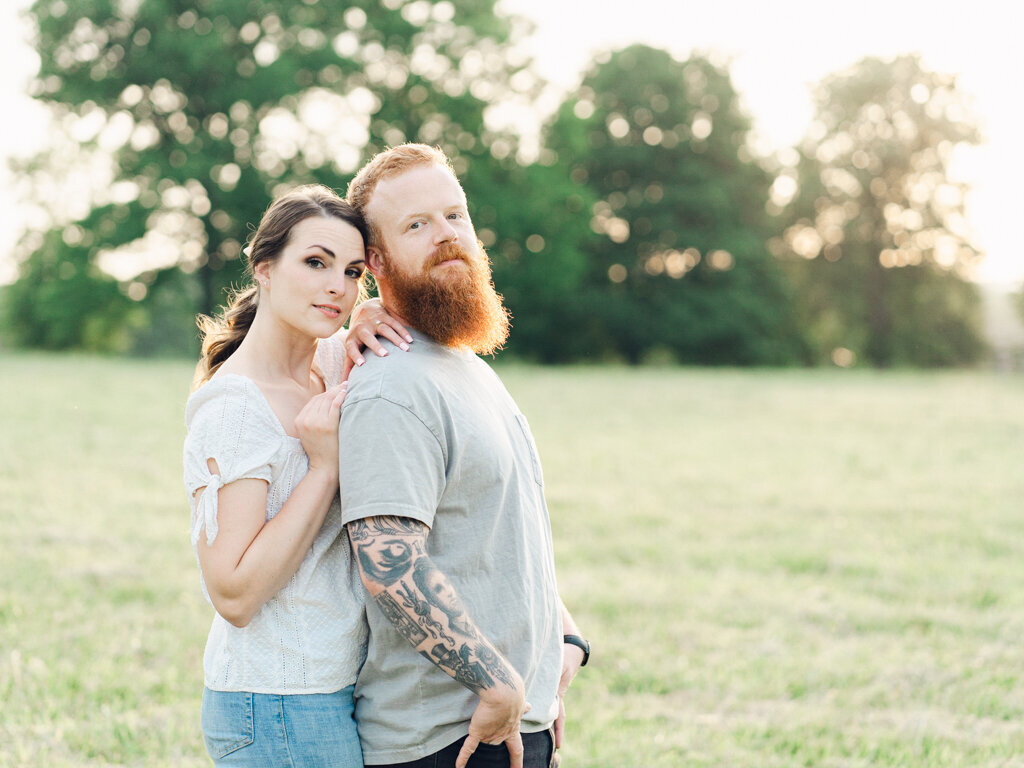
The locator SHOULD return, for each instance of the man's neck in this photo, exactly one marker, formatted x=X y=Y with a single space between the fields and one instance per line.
x=388 y=303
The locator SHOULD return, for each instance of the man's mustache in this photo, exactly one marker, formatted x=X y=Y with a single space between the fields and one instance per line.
x=447 y=252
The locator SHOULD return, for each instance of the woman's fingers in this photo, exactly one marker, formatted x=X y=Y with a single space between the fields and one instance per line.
x=332 y=400
x=321 y=412
x=317 y=425
x=397 y=336
x=368 y=338
x=389 y=323
x=374 y=323
x=352 y=350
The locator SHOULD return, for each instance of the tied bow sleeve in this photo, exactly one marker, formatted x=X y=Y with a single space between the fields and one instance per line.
x=228 y=421
x=205 y=514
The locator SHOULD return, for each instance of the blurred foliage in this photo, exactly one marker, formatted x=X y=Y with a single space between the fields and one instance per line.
x=61 y=301
x=677 y=256
x=647 y=230
x=877 y=239
x=536 y=216
x=205 y=110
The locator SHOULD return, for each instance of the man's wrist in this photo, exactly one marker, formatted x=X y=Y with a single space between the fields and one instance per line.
x=580 y=643
x=503 y=693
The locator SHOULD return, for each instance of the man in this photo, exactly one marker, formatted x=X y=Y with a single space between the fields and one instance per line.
x=442 y=495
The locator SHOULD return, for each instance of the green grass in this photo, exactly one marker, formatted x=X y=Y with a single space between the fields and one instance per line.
x=776 y=568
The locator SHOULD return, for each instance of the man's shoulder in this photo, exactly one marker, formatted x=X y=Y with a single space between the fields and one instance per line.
x=400 y=376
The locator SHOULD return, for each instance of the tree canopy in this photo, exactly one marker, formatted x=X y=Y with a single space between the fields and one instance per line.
x=879 y=246
x=677 y=254
x=647 y=229
x=197 y=113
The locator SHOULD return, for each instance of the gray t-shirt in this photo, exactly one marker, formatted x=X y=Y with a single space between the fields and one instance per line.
x=432 y=434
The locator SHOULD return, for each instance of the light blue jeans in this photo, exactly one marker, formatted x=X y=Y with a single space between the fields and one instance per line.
x=262 y=730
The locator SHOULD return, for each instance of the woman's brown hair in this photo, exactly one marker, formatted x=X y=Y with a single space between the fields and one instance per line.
x=221 y=335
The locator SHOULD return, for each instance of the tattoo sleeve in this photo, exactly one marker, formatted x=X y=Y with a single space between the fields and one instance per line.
x=406 y=627
x=421 y=603
x=383 y=547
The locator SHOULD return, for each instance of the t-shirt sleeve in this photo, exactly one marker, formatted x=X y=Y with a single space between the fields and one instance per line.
x=391 y=462
x=227 y=425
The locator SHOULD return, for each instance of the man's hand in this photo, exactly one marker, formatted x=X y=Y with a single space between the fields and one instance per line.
x=572 y=656
x=496 y=721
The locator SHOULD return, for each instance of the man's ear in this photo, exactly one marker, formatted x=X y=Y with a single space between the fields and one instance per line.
x=374 y=261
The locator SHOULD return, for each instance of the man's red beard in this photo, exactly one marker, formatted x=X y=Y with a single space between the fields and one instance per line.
x=457 y=309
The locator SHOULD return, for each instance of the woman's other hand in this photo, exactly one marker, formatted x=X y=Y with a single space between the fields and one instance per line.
x=317 y=427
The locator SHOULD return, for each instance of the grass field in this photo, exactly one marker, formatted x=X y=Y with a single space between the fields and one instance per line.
x=776 y=568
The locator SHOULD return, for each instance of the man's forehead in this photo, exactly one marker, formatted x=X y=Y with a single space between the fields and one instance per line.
x=420 y=188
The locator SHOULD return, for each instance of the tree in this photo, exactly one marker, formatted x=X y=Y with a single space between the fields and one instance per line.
x=191 y=115
x=61 y=300
x=677 y=253
x=531 y=219
x=877 y=241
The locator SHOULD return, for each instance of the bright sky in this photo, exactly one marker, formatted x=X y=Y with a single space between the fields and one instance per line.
x=777 y=50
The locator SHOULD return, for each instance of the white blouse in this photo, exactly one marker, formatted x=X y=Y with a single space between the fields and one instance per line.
x=311 y=636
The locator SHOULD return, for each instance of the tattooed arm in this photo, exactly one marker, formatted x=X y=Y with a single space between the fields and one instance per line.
x=421 y=603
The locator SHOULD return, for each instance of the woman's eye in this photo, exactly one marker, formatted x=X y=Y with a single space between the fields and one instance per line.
x=355 y=274
x=315 y=262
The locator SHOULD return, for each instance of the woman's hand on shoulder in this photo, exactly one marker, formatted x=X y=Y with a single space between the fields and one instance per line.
x=317 y=427
x=370 y=320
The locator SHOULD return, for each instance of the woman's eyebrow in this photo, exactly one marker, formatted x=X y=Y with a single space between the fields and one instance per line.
x=325 y=249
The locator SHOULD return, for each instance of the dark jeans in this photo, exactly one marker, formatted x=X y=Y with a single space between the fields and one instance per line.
x=539 y=752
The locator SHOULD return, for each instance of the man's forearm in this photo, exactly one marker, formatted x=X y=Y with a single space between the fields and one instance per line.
x=569 y=626
x=448 y=639
x=422 y=605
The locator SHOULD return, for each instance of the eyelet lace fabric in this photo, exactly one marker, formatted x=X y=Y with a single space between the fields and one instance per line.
x=311 y=636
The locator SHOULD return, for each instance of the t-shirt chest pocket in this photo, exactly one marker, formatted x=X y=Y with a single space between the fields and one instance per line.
x=531 y=448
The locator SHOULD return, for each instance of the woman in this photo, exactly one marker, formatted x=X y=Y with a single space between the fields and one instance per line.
x=261 y=471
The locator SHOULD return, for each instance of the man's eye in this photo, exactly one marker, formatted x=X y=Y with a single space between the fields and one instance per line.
x=416 y=225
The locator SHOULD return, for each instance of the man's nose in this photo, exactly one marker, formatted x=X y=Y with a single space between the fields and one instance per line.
x=445 y=232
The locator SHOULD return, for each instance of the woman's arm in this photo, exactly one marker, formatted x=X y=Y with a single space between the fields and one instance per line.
x=253 y=558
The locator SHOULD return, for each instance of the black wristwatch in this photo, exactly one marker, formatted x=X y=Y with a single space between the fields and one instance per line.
x=579 y=642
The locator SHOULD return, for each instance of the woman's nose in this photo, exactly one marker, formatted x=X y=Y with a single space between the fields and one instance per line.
x=337 y=285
